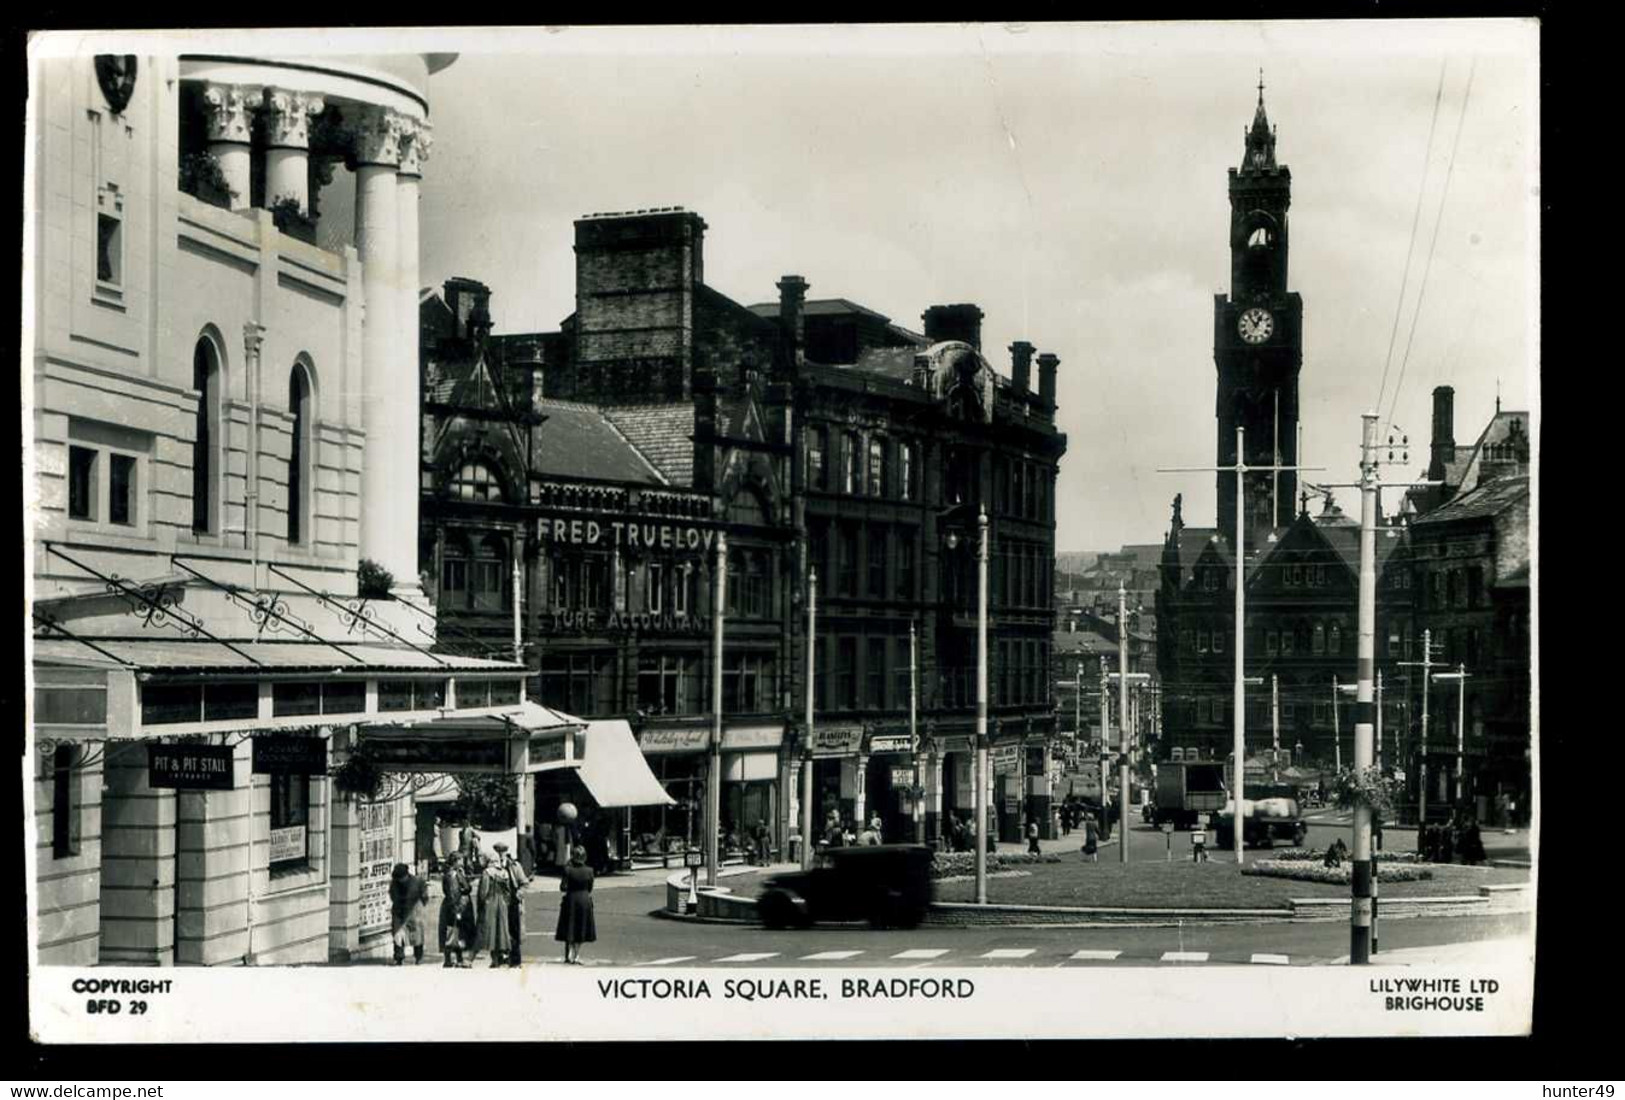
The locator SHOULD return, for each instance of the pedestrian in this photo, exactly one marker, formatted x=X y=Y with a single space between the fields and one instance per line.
x=527 y=853
x=408 y=895
x=870 y=837
x=764 y=843
x=576 y=925
x=1472 y=842
x=455 y=903
x=1336 y=853
x=1032 y=837
x=516 y=901
x=1091 y=837
x=496 y=894
x=1199 y=845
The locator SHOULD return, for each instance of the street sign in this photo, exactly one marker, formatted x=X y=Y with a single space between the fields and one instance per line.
x=693 y=857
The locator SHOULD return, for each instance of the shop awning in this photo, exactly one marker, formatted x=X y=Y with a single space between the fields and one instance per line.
x=614 y=771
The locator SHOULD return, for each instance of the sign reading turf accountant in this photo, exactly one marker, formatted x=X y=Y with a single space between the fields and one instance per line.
x=190 y=767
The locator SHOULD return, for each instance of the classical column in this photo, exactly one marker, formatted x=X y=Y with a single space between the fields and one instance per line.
x=389 y=468
x=415 y=144
x=287 y=145
x=230 y=123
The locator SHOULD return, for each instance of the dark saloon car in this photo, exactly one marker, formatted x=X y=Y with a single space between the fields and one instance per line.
x=888 y=885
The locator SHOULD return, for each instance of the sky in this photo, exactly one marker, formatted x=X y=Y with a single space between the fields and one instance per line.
x=1069 y=179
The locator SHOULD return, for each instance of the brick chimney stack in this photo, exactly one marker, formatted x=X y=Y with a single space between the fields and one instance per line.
x=1047 y=362
x=1443 y=448
x=956 y=322
x=793 y=315
x=1021 y=366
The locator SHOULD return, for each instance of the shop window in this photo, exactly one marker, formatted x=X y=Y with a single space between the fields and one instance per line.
x=875 y=674
x=224 y=702
x=206 y=379
x=64 y=804
x=290 y=822
x=399 y=695
x=877 y=467
x=295 y=698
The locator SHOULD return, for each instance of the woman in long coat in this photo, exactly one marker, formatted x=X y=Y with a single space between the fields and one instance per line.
x=496 y=895
x=576 y=925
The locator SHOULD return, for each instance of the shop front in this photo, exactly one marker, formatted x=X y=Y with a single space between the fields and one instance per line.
x=606 y=783
x=838 y=779
x=676 y=752
x=751 y=791
x=889 y=779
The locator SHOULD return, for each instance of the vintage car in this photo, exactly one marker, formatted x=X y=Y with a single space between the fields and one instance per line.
x=888 y=885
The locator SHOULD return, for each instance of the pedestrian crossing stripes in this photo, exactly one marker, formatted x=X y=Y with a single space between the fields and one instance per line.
x=1184 y=956
x=1009 y=953
x=1270 y=960
x=922 y=953
x=1091 y=953
x=951 y=956
x=831 y=956
x=668 y=962
x=750 y=957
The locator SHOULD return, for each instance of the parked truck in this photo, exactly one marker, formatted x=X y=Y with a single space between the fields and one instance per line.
x=1186 y=790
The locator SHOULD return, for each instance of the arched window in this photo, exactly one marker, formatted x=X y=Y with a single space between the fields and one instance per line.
x=206 y=378
x=301 y=455
x=487 y=574
x=475 y=481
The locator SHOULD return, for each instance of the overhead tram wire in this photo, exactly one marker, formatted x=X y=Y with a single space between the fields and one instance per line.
x=1444 y=196
x=1416 y=219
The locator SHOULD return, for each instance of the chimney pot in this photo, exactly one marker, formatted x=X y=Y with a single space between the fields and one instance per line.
x=1021 y=365
x=1047 y=363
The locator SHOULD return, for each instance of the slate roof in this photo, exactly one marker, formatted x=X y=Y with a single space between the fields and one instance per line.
x=1489 y=499
x=664 y=434
x=579 y=440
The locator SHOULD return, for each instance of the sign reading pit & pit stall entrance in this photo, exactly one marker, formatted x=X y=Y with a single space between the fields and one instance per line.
x=190 y=767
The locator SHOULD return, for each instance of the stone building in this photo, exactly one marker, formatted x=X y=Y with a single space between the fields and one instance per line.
x=222 y=417
x=809 y=436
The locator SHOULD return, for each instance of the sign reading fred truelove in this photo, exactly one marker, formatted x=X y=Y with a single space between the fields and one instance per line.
x=190 y=767
x=626 y=533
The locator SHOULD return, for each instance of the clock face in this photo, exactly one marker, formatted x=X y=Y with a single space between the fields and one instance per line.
x=1256 y=325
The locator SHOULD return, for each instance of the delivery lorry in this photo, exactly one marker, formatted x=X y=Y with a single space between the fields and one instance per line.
x=1186 y=790
x=1269 y=813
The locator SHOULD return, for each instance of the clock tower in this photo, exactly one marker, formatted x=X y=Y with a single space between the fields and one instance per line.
x=1258 y=341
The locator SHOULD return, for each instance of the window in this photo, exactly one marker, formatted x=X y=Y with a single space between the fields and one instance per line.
x=682 y=583
x=487 y=576
x=1334 y=639
x=905 y=471
x=747 y=682
x=875 y=673
x=905 y=564
x=81 y=483
x=846 y=581
x=290 y=821
x=454 y=574
x=846 y=673
x=670 y=683
x=206 y=380
x=121 y=490
x=1272 y=642
x=1287 y=642
x=849 y=477
x=654 y=591
x=817 y=458
x=1201 y=641
x=109 y=249
x=1322 y=714
x=877 y=562
x=1218 y=640
x=580 y=683
x=1185 y=640
x=877 y=467
x=300 y=454
x=1317 y=643
x=397 y=695
x=1289 y=714
x=64 y=807
x=475 y=481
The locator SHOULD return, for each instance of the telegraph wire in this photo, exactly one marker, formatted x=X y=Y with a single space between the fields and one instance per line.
x=1416 y=218
x=1444 y=195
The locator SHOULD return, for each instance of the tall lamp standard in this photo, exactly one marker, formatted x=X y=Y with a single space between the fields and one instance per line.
x=980 y=778
x=713 y=785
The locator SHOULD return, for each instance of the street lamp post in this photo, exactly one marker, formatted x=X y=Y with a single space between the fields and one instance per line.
x=981 y=706
x=713 y=786
x=807 y=762
x=914 y=734
x=1124 y=733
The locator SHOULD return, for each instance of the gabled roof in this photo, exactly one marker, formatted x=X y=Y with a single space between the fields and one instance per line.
x=664 y=434
x=578 y=440
x=1489 y=499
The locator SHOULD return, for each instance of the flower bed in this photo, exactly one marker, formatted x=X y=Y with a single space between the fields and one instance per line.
x=1293 y=855
x=1305 y=870
x=954 y=864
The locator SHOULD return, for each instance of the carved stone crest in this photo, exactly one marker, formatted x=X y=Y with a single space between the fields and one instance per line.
x=116 y=75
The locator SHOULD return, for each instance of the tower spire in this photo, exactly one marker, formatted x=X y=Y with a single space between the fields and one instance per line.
x=1261 y=137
